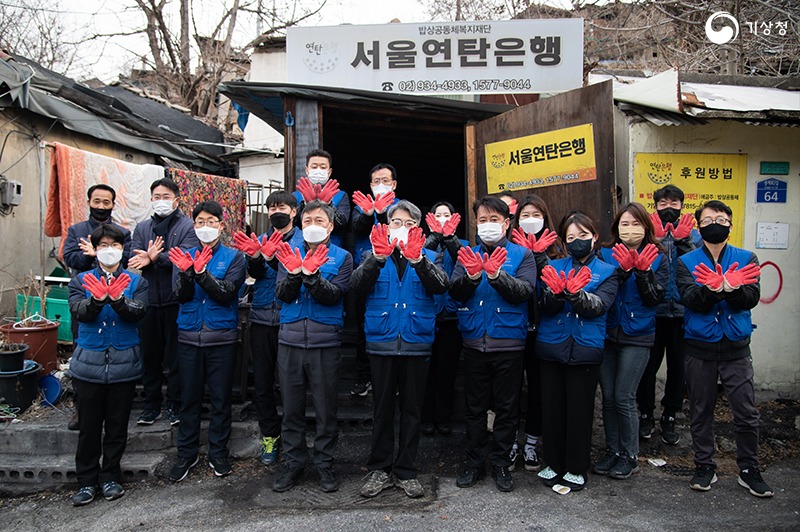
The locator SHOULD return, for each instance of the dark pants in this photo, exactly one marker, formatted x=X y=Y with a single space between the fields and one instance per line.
x=492 y=381
x=440 y=387
x=390 y=375
x=533 y=415
x=316 y=370
x=567 y=413
x=264 y=356
x=103 y=407
x=736 y=377
x=197 y=367
x=158 y=331
x=362 y=359
x=669 y=337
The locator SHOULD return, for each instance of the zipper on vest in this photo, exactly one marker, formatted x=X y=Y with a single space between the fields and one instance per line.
x=108 y=361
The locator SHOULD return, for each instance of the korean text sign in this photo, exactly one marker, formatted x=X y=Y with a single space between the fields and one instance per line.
x=542 y=160
x=440 y=57
x=701 y=177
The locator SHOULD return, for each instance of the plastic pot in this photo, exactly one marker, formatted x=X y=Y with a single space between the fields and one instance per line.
x=12 y=357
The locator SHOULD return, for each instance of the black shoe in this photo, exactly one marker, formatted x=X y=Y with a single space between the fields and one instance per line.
x=502 y=477
x=469 y=477
x=74 y=423
x=327 y=479
x=111 y=490
x=750 y=478
x=221 y=466
x=703 y=477
x=84 y=496
x=181 y=468
x=288 y=478
x=361 y=389
x=573 y=482
x=445 y=429
x=427 y=428
x=173 y=414
x=624 y=467
x=606 y=464
x=148 y=417
x=645 y=426
x=668 y=434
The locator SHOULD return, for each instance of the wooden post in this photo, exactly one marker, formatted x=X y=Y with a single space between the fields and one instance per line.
x=472 y=179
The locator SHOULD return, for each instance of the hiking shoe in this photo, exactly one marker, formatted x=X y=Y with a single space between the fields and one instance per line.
x=427 y=429
x=750 y=478
x=624 y=467
x=327 y=479
x=377 y=481
x=502 y=478
x=173 y=414
x=574 y=482
x=288 y=478
x=469 y=477
x=548 y=477
x=111 y=490
x=84 y=496
x=703 y=477
x=269 y=449
x=513 y=454
x=149 y=417
x=361 y=389
x=606 y=464
x=74 y=423
x=645 y=426
x=221 y=466
x=181 y=468
x=668 y=434
x=412 y=487
x=531 y=459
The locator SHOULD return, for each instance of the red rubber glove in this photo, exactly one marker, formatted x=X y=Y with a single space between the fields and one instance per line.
x=412 y=250
x=736 y=278
x=512 y=207
x=382 y=201
x=551 y=278
x=685 y=226
x=290 y=258
x=545 y=240
x=270 y=245
x=450 y=226
x=658 y=229
x=201 y=259
x=181 y=259
x=95 y=286
x=250 y=246
x=433 y=223
x=578 y=281
x=379 y=238
x=626 y=257
x=493 y=263
x=708 y=277
x=117 y=285
x=315 y=259
x=365 y=203
x=305 y=188
x=519 y=237
x=471 y=261
x=330 y=189
x=646 y=258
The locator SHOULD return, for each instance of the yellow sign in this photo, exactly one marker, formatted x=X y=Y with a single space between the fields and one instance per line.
x=542 y=160
x=701 y=177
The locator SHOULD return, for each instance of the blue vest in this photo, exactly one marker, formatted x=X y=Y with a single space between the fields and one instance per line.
x=362 y=243
x=335 y=201
x=722 y=319
x=108 y=329
x=400 y=307
x=305 y=306
x=264 y=288
x=588 y=332
x=488 y=313
x=629 y=312
x=203 y=310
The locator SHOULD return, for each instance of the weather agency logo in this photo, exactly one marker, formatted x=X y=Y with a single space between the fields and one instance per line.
x=728 y=32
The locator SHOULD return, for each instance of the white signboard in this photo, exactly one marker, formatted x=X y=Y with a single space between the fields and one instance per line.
x=772 y=236
x=513 y=56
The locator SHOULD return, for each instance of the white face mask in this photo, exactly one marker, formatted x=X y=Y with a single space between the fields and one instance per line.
x=314 y=234
x=163 y=207
x=318 y=176
x=381 y=189
x=490 y=232
x=531 y=225
x=109 y=256
x=207 y=234
x=400 y=233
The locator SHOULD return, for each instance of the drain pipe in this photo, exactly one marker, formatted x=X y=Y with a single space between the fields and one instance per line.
x=42 y=207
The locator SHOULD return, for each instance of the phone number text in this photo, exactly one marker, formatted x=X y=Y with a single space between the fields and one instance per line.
x=454 y=85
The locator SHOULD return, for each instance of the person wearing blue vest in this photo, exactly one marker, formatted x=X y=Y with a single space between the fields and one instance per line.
x=437 y=408
x=264 y=316
x=368 y=213
x=318 y=185
x=492 y=284
x=207 y=286
x=578 y=292
x=677 y=237
x=107 y=302
x=312 y=281
x=167 y=228
x=399 y=281
x=643 y=274
x=719 y=285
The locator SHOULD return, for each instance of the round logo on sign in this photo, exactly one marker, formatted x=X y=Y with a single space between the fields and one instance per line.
x=498 y=160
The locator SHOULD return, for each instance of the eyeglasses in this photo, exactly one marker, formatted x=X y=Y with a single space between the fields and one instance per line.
x=206 y=223
x=397 y=222
x=115 y=245
x=720 y=220
x=385 y=181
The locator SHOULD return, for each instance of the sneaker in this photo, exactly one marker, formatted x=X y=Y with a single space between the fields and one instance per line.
x=645 y=426
x=445 y=429
x=111 y=490
x=574 y=482
x=270 y=446
x=531 y=459
x=703 y=477
x=149 y=417
x=513 y=454
x=221 y=466
x=606 y=464
x=173 y=414
x=377 y=481
x=469 y=477
x=548 y=477
x=74 y=423
x=750 y=478
x=502 y=478
x=412 y=487
x=427 y=428
x=84 y=496
x=327 y=479
x=624 y=467
x=668 y=434
x=361 y=389
x=288 y=478
x=181 y=468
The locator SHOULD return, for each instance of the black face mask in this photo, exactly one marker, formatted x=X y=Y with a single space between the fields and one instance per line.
x=580 y=248
x=715 y=233
x=279 y=220
x=101 y=215
x=669 y=215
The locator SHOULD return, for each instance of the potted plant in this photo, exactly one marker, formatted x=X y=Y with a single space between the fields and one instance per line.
x=12 y=355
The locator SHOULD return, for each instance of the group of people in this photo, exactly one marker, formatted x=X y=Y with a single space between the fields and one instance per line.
x=529 y=298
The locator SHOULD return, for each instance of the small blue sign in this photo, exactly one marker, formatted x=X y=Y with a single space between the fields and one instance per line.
x=771 y=190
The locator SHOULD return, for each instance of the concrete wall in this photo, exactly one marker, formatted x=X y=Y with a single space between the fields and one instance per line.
x=776 y=355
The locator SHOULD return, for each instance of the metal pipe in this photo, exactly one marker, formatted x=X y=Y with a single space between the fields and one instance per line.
x=42 y=206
